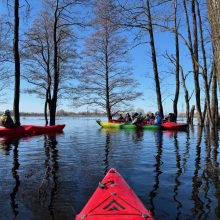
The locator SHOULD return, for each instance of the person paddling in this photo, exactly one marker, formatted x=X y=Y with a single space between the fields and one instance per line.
x=158 y=119
x=6 y=120
x=128 y=118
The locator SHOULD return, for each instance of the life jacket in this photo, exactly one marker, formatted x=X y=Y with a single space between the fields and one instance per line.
x=7 y=121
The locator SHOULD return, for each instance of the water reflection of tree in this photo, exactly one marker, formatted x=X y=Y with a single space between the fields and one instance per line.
x=178 y=174
x=48 y=187
x=158 y=163
x=6 y=146
x=212 y=170
x=137 y=135
x=15 y=175
x=107 y=149
x=196 y=180
x=187 y=149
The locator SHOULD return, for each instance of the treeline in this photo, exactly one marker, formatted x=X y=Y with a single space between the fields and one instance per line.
x=62 y=113
x=78 y=50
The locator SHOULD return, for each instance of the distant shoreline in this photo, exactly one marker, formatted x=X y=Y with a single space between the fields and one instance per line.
x=64 y=113
x=86 y=114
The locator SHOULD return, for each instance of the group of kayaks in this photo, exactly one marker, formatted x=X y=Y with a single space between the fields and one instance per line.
x=122 y=125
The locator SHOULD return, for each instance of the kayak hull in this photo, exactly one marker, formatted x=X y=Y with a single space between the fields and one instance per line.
x=28 y=130
x=114 y=199
x=12 y=131
x=145 y=127
x=108 y=124
x=37 y=130
x=127 y=126
x=175 y=126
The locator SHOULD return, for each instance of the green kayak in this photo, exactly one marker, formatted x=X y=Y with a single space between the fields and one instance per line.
x=145 y=127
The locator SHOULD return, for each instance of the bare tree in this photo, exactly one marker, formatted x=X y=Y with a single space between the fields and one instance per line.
x=17 y=64
x=154 y=56
x=16 y=53
x=137 y=15
x=175 y=101
x=39 y=60
x=105 y=80
x=214 y=11
x=193 y=48
x=63 y=16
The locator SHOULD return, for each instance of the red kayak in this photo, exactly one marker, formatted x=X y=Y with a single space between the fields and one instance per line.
x=114 y=199
x=35 y=130
x=30 y=130
x=174 y=126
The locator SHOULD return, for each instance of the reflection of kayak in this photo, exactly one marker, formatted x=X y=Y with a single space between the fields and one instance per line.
x=127 y=126
x=174 y=126
x=30 y=130
x=114 y=199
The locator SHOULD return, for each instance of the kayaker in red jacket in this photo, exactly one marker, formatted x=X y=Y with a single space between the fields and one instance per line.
x=6 y=120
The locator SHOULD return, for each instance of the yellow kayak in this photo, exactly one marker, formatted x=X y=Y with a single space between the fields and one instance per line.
x=108 y=124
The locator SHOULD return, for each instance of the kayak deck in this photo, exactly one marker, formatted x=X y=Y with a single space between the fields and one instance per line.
x=175 y=126
x=108 y=124
x=28 y=130
x=114 y=199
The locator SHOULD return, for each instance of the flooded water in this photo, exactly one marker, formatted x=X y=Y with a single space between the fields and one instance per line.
x=175 y=174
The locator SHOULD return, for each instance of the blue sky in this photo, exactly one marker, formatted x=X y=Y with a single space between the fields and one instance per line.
x=142 y=66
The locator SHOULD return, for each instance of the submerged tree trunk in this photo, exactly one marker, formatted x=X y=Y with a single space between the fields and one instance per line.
x=45 y=112
x=108 y=110
x=175 y=101
x=195 y=60
x=205 y=69
x=154 y=58
x=214 y=107
x=192 y=114
x=17 y=64
x=53 y=104
x=186 y=95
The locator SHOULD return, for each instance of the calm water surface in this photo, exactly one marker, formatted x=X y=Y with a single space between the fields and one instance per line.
x=175 y=174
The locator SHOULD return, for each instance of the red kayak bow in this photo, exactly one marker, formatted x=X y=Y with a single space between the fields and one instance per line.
x=114 y=199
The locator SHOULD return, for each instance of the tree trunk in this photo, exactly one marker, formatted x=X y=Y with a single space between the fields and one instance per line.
x=45 y=111
x=108 y=109
x=53 y=105
x=214 y=19
x=193 y=48
x=192 y=114
x=186 y=95
x=175 y=101
x=214 y=107
x=17 y=64
x=204 y=71
x=195 y=58
x=154 y=58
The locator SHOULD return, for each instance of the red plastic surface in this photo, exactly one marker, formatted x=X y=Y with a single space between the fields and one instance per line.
x=115 y=200
x=30 y=130
x=174 y=126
